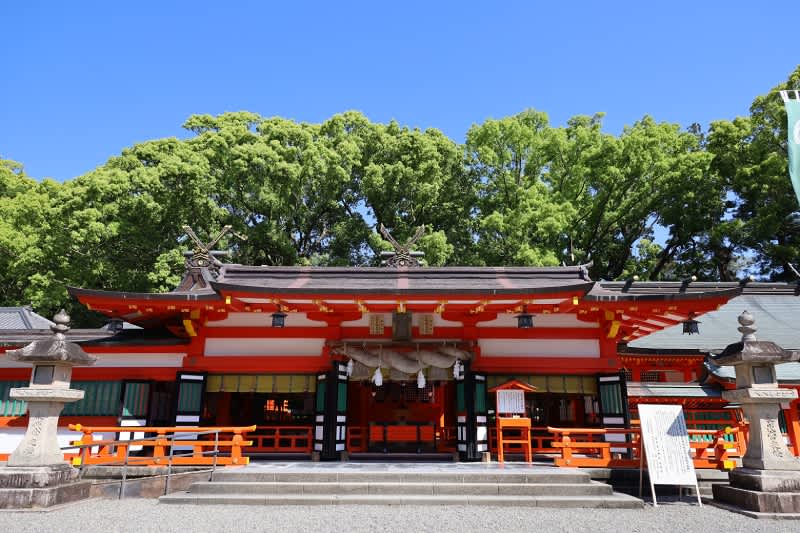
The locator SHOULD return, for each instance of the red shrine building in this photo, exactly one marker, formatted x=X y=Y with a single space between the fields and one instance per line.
x=370 y=360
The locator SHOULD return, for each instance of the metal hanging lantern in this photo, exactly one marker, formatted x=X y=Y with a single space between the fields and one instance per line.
x=279 y=318
x=690 y=326
x=525 y=319
x=458 y=369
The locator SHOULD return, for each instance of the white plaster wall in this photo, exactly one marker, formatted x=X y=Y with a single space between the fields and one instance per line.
x=120 y=360
x=539 y=348
x=550 y=320
x=263 y=320
x=263 y=346
x=11 y=437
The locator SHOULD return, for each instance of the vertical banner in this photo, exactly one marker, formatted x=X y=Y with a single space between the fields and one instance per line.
x=793 y=146
x=665 y=445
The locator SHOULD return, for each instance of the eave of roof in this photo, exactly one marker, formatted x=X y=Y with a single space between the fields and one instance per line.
x=613 y=292
x=16 y=337
x=79 y=293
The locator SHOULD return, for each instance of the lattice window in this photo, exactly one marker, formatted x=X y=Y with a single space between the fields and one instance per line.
x=651 y=376
x=426 y=325
x=376 y=324
x=425 y=394
x=628 y=375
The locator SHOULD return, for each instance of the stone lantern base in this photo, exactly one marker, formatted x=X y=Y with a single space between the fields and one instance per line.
x=45 y=486
x=761 y=493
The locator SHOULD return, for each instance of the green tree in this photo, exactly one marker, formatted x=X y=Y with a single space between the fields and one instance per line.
x=750 y=157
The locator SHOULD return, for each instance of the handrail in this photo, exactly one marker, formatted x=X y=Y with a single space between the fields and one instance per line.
x=714 y=452
x=283 y=439
x=168 y=429
x=114 y=450
x=158 y=444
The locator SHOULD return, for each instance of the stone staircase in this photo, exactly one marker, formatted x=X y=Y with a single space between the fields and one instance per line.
x=460 y=485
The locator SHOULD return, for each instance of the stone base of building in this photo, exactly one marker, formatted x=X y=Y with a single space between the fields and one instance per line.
x=32 y=487
x=761 y=491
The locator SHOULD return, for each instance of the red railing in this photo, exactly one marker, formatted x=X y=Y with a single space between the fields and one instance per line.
x=155 y=451
x=540 y=440
x=282 y=439
x=358 y=437
x=592 y=447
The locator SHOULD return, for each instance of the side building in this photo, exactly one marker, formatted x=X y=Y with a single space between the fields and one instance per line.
x=672 y=367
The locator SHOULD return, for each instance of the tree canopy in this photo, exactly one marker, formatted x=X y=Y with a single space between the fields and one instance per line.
x=655 y=200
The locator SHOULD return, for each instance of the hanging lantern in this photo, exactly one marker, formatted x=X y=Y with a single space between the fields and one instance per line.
x=279 y=318
x=377 y=377
x=420 y=380
x=458 y=369
x=690 y=325
x=524 y=319
x=349 y=368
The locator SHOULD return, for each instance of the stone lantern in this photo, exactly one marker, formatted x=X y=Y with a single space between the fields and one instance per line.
x=769 y=481
x=36 y=473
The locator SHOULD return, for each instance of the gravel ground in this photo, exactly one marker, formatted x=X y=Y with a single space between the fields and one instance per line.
x=142 y=515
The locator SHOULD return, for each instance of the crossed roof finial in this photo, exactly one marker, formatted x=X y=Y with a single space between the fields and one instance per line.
x=402 y=255
x=203 y=254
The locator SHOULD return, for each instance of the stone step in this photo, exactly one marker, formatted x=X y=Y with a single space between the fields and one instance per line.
x=399 y=488
x=615 y=501
x=553 y=476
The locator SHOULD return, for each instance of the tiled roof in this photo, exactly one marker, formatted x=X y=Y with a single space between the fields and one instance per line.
x=669 y=390
x=776 y=319
x=22 y=318
x=786 y=373
x=497 y=280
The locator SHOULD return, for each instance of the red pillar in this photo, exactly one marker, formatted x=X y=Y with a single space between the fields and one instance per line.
x=793 y=426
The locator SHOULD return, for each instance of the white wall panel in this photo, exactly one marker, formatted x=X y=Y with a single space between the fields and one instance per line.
x=120 y=360
x=264 y=320
x=11 y=437
x=550 y=320
x=539 y=348
x=264 y=346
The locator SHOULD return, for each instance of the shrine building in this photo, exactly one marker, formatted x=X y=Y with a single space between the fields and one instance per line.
x=366 y=360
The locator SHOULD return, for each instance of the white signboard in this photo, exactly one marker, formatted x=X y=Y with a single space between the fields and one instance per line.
x=666 y=446
x=511 y=401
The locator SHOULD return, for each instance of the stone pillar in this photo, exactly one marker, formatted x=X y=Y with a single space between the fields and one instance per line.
x=40 y=445
x=769 y=482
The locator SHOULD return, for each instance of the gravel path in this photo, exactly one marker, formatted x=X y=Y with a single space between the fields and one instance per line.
x=142 y=515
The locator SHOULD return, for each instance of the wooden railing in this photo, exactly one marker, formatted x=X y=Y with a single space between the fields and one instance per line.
x=606 y=447
x=540 y=441
x=157 y=449
x=282 y=439
x=359 y=437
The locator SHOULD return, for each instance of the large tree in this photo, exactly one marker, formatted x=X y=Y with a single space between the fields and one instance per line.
x=575 y=194
x=750 y=156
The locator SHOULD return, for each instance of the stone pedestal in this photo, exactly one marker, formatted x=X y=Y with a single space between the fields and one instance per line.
x=40 y=445
x=45 y=486
x=36 y=474
x=760 y=492
x=769 y=483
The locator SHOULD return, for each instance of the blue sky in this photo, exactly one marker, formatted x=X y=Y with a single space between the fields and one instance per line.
x=80 y=81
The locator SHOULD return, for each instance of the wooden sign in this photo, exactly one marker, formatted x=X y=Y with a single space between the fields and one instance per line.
x=665 y=444
x=511 y=402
